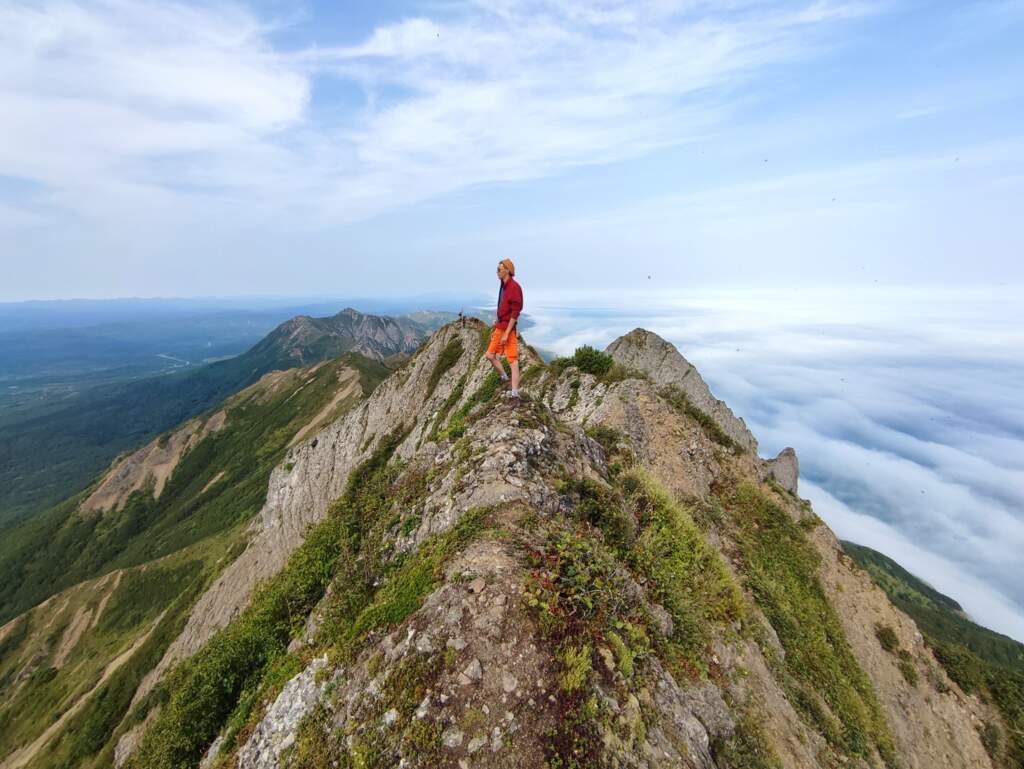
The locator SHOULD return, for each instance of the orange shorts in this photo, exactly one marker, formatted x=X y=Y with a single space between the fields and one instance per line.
x=510 y=349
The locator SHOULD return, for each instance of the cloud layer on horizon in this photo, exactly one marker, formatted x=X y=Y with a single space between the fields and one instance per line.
x=904 y=411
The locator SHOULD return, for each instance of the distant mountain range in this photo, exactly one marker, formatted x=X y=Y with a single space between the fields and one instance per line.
x=303 y=341
x=45 y=457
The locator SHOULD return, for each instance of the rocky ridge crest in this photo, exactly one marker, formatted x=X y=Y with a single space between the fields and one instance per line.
x=578 y=581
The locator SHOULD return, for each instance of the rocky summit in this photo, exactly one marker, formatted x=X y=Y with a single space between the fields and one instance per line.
x=601 y=574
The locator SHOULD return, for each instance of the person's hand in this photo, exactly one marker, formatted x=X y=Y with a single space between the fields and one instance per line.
x=504 y=337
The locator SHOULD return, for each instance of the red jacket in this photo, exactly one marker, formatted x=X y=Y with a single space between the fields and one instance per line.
x=510 y=303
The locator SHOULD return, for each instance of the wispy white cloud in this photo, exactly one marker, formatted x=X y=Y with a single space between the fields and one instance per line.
x=519 y=91
x=189 y=139
x=118 y=106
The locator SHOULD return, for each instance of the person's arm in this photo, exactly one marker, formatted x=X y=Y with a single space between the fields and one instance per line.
x=509 y=328
x=515 y=304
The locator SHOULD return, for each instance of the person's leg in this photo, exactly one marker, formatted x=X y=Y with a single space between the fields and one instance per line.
x=493 y=350
x=512 y=353
x=497 y=365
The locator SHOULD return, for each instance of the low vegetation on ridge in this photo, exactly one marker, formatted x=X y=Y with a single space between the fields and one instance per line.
x=825 y=682
x=979 y=660
x=621 y=590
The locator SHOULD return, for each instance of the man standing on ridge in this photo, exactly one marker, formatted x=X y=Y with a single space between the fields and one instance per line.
x=503 y=338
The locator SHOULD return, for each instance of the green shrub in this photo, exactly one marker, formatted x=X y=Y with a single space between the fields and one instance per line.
x=573 y=581
x=574 y=395
x=991 y=738
x=587 y=360
x=42 y=677
x=608 y=437
x=577 y=668
x=682 y=571
x=963 y=666
x=908 y=670
x=887 y=638
x=602 y=508
x=748 y=747
x=1006 y=689
x=624 y=656
x=462 y=418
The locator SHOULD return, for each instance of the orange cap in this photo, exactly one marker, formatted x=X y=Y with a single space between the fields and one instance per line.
x=507 y=264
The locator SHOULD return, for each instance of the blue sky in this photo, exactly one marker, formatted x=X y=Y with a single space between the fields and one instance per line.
x=159 y=149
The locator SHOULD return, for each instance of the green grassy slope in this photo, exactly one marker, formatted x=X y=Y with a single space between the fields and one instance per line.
x=980 y=660
x=47 y=455
x=45 y=671
x=63 y=547
x=939 y=616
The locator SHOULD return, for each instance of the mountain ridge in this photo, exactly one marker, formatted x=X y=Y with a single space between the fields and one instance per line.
x=44 y=459
x=605 y=575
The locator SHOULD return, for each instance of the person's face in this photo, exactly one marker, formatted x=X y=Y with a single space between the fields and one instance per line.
x=502 y=273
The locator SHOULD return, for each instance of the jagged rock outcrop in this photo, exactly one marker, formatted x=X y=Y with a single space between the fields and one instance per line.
x=660 y=360
x=659 y=434
x=785 y=469
x=275 y=734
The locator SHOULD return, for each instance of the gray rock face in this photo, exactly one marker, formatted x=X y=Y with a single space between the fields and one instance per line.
x=276 y=732
x=785 y=469
x=211 y=753
x=677 y=449
x=648 y=352
x=692 y=717
x=303 y=341
x=130 y=741
x=315 y=471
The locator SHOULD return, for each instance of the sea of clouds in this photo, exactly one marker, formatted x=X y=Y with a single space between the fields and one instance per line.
x=904 y=408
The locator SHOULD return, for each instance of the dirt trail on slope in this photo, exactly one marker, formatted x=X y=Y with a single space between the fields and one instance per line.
x=22 y=756
x=117 y=576
x=79 y=623
x=350 y=380
x=213 y=480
